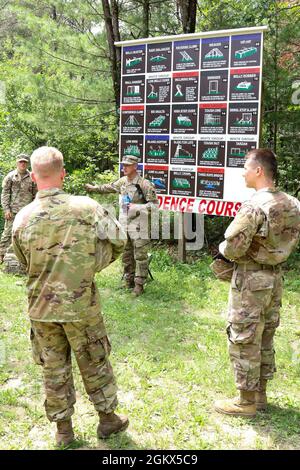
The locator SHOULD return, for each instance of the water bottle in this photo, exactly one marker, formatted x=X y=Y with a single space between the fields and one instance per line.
x=126 y=200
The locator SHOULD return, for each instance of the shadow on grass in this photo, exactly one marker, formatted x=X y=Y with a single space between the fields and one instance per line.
x=279 y=422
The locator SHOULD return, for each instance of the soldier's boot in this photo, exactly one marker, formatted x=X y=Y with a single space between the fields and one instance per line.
x=111 y=423
x=129 y=283
x=139 y=286
x=244 y=405
x=1 y=259
x=64 y=435
x=261 y=396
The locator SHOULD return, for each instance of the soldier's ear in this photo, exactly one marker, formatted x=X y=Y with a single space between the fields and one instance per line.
x=63 y=174
x=32 y=176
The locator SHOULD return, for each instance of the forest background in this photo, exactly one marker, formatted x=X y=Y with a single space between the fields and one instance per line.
x=60 y=77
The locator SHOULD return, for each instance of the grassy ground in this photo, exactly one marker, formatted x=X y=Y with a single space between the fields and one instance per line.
x=170 y=359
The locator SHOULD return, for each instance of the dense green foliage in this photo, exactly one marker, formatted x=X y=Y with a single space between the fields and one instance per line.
x=56 y=67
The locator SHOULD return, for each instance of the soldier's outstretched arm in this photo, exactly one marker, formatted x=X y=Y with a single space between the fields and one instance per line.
x=105 y=188
x=239 y=234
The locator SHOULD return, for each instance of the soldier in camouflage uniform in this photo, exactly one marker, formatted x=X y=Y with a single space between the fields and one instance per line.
x=138 y=197
x=63 y=240
x=261 y=237
x=18 y=190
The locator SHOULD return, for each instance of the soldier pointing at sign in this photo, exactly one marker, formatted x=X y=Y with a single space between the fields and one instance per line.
x=262 y=236
x=138 y=197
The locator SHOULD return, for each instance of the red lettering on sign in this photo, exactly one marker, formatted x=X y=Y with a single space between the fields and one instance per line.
x=174 y=203
x=228 y=210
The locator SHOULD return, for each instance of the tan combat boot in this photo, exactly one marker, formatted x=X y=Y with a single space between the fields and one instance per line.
x=261 y=396
x=110 y=423
x=64 y=435
x=138 y=290
x=1 y=259
x=244 y=405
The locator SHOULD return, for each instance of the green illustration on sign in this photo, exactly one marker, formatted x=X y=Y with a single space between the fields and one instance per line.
x=183 y=121
x=211 y=153
x=244 y=86
x=214 y=54
x=245 y=52
x=181 y=183
x=158 y=121
x=132 y=150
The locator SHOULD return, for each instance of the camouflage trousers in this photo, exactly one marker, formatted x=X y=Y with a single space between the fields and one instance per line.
x=5 y=241
x=254 y=304
x=135 y=260
x=52 y=344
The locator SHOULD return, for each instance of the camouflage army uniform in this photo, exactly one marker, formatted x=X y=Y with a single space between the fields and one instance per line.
x=63 y=240
x=18 y=190
x=261 y=237
x=135 y=257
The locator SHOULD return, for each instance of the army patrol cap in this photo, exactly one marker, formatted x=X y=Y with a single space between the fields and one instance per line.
x=23 y=158
x=130 y=160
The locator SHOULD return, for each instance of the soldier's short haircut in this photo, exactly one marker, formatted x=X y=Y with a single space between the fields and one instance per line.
x=46 y=161
x=265 y=158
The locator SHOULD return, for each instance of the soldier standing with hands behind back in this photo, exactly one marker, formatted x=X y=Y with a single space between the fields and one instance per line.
x=262 y=236
x=138 y=197
x=18 y=190
x=63 y=241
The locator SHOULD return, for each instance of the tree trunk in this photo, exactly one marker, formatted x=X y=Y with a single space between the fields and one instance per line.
x=146 y=14
x=188 y=13
x=112 y=30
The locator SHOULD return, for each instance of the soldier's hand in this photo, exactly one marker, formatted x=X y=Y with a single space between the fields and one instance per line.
x=90 y=188
x=8 y=215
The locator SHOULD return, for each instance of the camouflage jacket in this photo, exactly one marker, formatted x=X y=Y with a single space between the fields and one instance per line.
x=134 y=220
x=63 y=240
x=265 y=230
x=17 y=191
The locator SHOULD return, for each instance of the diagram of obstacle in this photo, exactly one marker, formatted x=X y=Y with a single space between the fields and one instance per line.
x=183 y=152
x=243 y=118
x=244 y=84
x=134 y=59
x=158 y=119
x=132 y=119
x=237 y=151
x=184 y=119
x=158 y=90
x=212 y=118
x=245 y=50
x=159 y=57
x=157 y=149
x=214 y=85
x=211 y=153
x=215 y=53
x=186 y=55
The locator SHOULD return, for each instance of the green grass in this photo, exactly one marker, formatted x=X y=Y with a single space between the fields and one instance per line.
x=170 y=359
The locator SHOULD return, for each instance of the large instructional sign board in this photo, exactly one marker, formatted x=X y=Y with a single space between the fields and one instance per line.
x=190 y=110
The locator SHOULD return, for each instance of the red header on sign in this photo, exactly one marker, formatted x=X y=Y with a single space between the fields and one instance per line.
x=240 y=71
x=212 y=105
x=156 y=167
x=132 y=107
x=185 y=74
x=210 y=170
